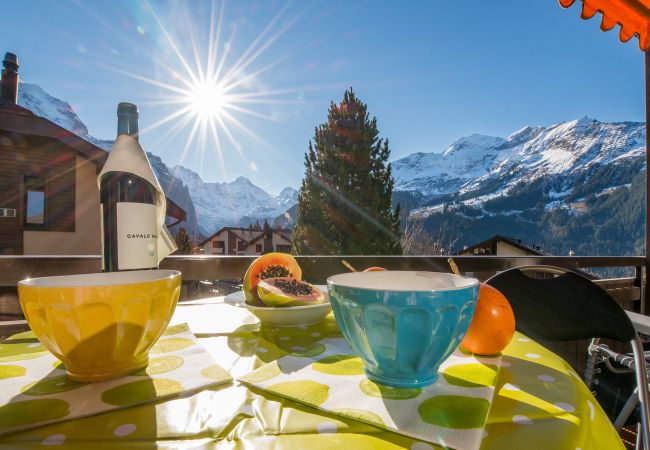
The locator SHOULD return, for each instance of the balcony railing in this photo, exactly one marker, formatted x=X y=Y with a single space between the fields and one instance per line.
x=316 y=269
x=203 y=275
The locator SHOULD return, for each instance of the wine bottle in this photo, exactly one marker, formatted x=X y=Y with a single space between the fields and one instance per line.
x=128 y=211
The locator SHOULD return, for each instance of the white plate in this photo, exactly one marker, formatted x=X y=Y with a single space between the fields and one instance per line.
x=290 y=316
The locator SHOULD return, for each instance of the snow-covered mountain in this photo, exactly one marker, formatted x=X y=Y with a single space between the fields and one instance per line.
x=34 y=98
x=209 y=205
x=238 y=202
x=521 y=178
x=478 y=168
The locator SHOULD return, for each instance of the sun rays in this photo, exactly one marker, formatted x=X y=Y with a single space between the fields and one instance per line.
x=209 y=93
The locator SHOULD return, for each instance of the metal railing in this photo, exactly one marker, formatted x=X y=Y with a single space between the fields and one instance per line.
x=200 y=270
x=200 y=267
x=317 y=269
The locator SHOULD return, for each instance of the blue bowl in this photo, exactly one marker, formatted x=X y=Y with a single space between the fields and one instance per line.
x=403 y=324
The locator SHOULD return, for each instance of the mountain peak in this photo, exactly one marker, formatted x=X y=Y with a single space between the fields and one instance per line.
x=34 y=98
x=524 y=134
x=287 y=190
x=473 y=142
x=242 y=180
x=583 y=121
x=183 y=172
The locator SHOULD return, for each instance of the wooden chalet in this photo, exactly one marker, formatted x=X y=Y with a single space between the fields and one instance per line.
x=502 y=246
x=49 y=200
x=246 y=241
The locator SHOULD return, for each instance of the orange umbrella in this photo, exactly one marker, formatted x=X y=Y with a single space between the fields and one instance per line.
x=633 y=16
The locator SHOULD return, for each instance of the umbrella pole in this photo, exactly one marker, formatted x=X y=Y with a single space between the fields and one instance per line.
x=645 y=301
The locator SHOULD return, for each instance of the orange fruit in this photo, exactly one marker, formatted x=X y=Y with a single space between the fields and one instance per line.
x=375 y=269
x=493 y=323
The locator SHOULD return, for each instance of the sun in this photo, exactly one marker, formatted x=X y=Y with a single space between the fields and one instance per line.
x=212 y=91
x=208 y=100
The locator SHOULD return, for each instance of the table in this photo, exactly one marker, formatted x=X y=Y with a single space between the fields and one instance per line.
x=539 y=403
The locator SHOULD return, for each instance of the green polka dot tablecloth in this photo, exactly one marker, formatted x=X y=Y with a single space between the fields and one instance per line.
x=451 y=412
x=34 y=389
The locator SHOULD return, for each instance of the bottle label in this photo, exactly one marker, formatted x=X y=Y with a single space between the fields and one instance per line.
x=137 y=241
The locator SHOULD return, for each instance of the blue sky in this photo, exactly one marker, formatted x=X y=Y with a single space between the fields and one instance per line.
x=430 y=72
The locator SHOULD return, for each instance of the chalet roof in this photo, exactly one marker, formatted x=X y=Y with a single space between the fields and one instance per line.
x=17 y=119
x=220 y=230
x=245 y=234
x=283 y=233
x=249 y=236
x=496 y=238
x=277 y=231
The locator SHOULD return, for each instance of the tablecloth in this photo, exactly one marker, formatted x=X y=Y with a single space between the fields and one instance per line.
x=540 y=402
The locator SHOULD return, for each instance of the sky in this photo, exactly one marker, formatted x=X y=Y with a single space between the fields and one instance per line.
x=429 y=71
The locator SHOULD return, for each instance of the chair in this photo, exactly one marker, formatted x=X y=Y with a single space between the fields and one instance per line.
x=618 y=365
x=566 y=306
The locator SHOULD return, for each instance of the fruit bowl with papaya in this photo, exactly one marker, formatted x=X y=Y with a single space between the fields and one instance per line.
x=273 y=291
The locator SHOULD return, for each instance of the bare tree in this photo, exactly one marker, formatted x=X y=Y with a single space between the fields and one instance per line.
x=416 y=240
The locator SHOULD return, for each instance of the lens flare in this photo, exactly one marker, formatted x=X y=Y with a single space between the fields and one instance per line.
x=207 y=100
x=208 y=89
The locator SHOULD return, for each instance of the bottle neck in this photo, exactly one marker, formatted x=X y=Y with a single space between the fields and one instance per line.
x=127 y=124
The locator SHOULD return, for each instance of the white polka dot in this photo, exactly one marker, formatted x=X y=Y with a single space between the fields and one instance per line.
x=505 y=364
x=522 y=339
x=34 y=345
x=421 y=446
x=262 y=350
x=54 y=439
x=326 y=427
x=124 y=430
x=546 y=378
x=297 y=348
x=303 y=327
x=60 y=383
x=592 y=410
x=284 y=338
x=522 y=420
x=251 y=341
x=565 y=406
x=315 y=334
x=578 y=448
x=511 y=387
x=533 y=355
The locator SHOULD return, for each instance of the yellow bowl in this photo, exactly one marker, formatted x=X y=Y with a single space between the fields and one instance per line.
x=100 y=325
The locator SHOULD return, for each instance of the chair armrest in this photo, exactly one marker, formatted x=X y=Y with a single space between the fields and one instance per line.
x=641 y=323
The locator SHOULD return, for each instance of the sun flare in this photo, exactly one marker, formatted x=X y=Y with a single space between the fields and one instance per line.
x=210 y=90
x=207 y=100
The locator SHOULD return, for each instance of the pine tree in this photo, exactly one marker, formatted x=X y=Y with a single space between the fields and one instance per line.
x=183 y=242
x=344 y=206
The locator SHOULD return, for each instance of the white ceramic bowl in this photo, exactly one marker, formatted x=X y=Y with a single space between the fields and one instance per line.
x=291 y=316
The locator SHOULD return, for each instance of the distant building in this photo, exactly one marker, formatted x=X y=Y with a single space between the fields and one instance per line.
x=502 y=246
x=246 y=241
x=49 y=200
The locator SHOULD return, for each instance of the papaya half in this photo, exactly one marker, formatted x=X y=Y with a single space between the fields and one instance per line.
x=284 y=291
x=271 y=265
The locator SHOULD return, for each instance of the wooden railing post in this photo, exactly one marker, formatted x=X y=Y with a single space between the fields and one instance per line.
x=639 y=281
